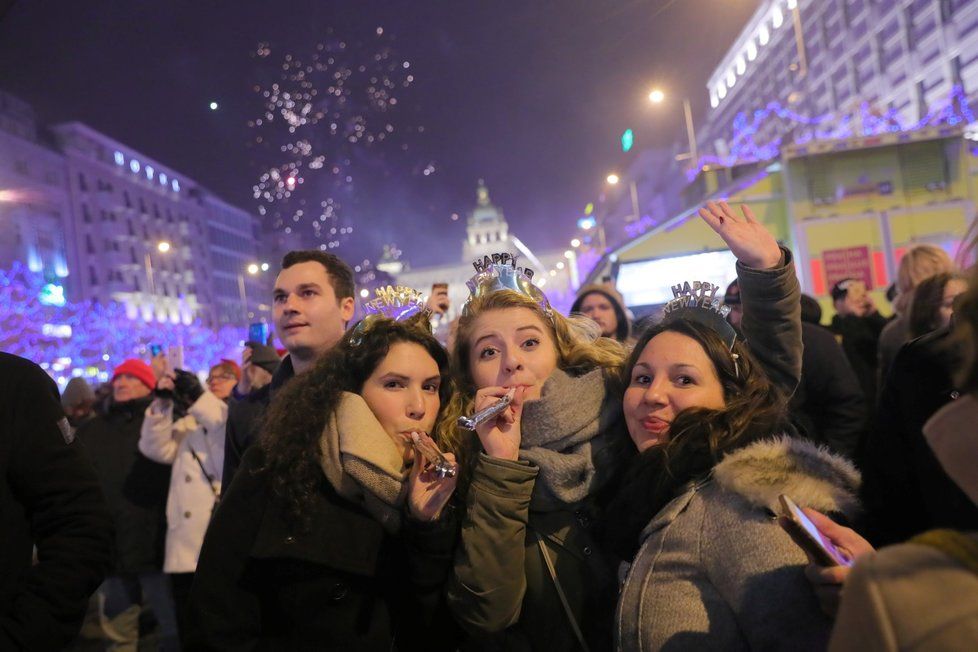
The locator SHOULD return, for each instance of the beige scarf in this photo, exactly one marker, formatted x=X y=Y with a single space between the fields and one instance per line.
x=362 y=463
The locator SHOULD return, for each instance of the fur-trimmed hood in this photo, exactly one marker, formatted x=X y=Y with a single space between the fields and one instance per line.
x=809 y=474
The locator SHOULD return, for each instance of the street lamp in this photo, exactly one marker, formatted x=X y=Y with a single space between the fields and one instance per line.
x=613 y=179
x=253 y=269
x=162 y=247
x=657 y=96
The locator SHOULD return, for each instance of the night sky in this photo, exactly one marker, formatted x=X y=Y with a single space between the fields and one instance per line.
x=531 y=95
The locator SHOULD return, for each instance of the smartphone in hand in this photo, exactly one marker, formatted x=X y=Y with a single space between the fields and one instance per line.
x=804 y=533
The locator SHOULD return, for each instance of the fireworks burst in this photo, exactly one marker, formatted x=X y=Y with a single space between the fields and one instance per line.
x=322 y=113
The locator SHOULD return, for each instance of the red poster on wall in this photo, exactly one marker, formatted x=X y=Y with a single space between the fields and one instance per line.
x=851 y=262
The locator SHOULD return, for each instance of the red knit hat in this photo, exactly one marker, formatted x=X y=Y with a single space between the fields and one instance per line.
x=137 y=369
x=232 y=365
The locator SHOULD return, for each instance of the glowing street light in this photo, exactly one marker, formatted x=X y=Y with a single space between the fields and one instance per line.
x=264 y=267
x=657 y=97
x=253 y=269
x=163 y=247
x=575 y=243
x=613 y=179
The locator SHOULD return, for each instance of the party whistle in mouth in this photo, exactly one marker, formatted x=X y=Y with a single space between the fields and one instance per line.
x=427 y=448
x=483 y=415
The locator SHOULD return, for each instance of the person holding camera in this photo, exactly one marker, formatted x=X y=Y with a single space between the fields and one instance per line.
x=193 y=445
x=135 y=488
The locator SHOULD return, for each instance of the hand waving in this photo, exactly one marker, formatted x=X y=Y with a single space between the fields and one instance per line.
x=750 y=242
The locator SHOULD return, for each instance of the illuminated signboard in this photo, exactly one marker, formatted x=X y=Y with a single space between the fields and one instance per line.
x=649 y=282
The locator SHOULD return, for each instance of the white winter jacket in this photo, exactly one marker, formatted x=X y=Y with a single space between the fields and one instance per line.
x=191 y=498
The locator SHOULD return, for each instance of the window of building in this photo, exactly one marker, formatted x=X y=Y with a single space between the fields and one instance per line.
x=89 y=245
x=82 y=184
x=86 y=214
x=92 y=277
x=142 y=205
x=132 y=255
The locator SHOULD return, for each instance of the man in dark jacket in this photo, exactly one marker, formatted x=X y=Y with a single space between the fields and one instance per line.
x=828 y=405
x=859 y=325
x=49 y=498
x=311 y=306
x=136 y=489
x=905 y=490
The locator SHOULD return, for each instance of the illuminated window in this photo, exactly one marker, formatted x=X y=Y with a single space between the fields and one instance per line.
x=119 y=158
x=134 y=165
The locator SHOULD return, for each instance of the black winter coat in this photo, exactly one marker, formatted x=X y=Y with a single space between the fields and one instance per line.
x=905 y=490
x=860 y=341
x=344 y=584
x=828 y=406
x=49 y=498
x=245 y=417
x=135 y=487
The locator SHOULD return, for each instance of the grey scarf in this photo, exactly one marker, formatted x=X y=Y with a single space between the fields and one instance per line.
x=569 y=435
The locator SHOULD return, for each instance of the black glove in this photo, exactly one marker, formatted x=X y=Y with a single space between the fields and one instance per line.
x=186 y=388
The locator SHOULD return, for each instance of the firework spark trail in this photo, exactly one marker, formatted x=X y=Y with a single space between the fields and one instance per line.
x=322 y=112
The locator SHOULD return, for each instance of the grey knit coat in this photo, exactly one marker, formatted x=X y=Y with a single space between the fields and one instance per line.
x=716 y=571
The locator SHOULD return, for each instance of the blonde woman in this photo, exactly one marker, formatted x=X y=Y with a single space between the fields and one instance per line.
x=528 y=574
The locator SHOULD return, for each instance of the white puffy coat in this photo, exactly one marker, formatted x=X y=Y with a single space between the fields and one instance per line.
x=191 y=497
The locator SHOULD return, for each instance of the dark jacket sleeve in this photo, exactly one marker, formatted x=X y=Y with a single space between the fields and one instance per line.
x=244 y=419
x=772 y=320
x=69 y=522
x=834 y=398
x=225 y=614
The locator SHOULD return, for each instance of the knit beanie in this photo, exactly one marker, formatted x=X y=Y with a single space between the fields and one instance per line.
x=137 y=369
x=77 y=391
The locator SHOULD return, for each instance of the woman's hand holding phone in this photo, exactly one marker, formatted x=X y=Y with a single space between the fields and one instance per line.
x=501 y=436
x=827 y=581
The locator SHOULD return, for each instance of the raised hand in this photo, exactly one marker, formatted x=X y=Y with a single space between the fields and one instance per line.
x=750 y=242
x=501 y=436
x=428 y=493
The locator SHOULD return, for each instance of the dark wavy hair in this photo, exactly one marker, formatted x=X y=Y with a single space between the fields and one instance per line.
x=698 y=437
x=293 y=425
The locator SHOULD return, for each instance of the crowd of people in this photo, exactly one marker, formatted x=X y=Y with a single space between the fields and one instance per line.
x=631 y=487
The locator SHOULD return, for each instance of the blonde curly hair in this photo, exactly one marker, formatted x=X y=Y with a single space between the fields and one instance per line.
x=580 y=349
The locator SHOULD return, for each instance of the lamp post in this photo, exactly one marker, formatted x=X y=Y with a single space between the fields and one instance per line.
x=162 y=247
x=613 y=180
x=657 y=96
x=253 y=269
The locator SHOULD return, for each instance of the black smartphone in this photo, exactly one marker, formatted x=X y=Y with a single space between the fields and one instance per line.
x=155 y=349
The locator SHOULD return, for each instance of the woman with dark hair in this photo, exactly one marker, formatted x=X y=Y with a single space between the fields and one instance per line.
x=713 y=570
x=933 y=302
x=304 y=551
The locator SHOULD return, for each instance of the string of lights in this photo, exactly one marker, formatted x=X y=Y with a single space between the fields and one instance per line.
x=88 y=338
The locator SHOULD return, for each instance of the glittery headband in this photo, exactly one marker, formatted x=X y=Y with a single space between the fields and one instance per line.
x=398 y=303
x=499 y=272
x=697 y=302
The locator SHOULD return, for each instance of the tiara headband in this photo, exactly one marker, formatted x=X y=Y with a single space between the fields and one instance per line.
x=499 y=272
x=398 y=303
x=697 y=301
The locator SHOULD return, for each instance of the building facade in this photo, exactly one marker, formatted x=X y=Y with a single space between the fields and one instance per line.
x=34 y=203
x=104 y=222
x=816 y=69
x=487 y=232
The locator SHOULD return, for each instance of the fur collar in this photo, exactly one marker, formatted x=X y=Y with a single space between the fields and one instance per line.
x=809 y=474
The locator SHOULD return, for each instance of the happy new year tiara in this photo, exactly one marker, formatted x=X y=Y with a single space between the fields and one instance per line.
x=697 y=301
x=500 y=272
x=398 y=303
